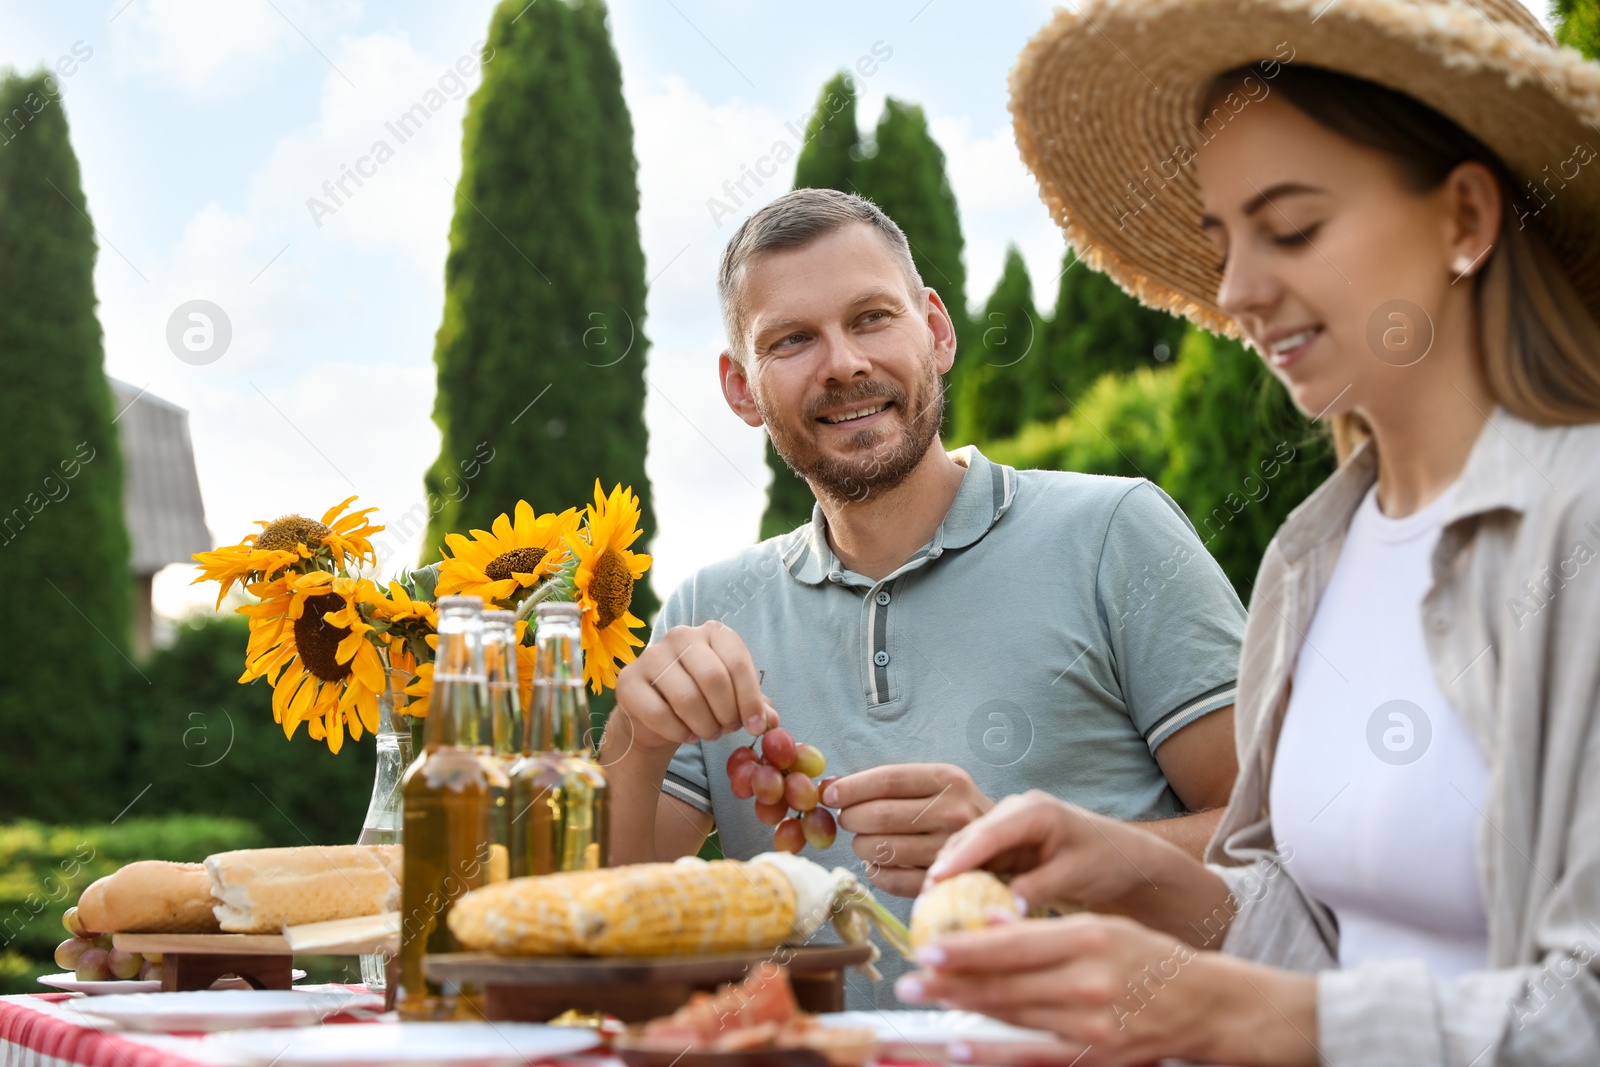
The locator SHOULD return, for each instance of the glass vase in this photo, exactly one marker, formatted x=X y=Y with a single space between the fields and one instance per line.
x=384 y=816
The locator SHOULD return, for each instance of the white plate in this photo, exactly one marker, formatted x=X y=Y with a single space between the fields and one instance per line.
x=70 y=983
x=221 y=1009
x=413 y=1044
x=917 y=1027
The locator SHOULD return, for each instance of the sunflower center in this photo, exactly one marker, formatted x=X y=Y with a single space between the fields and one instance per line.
x=318 y=641
x=611 y=587
x=517 y=561
x=290 y=530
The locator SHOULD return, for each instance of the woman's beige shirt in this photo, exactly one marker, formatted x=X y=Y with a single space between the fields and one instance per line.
x=1513 y=629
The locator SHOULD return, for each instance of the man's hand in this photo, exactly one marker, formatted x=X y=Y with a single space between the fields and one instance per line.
x=696 y=682
x=902 y=815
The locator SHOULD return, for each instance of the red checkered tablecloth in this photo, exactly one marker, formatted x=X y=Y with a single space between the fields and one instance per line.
x=36 y=1032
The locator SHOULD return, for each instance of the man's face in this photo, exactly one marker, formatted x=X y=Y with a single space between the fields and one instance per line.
x=843 y=362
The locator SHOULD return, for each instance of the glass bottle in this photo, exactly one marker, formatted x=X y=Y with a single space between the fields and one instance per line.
x=450 y=795
x=383 y=822
x=560 y=801
x=505 y=698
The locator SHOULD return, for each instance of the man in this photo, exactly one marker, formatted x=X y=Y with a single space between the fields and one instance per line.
x=946 y=630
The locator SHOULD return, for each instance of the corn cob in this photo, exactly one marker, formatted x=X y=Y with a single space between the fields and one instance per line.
x=654 y=909
x=964 y=902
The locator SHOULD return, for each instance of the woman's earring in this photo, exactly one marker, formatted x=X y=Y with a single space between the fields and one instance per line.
x=1464 y=264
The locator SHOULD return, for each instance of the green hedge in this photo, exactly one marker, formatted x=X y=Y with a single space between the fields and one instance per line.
x=44 y=868
x=1214 y=430
x=1120 y=427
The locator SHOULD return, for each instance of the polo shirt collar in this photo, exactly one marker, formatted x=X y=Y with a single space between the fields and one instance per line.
x=1505 y=464
x=986 y=493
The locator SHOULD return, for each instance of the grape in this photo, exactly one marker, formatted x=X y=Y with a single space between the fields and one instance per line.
x=74 y=925
x=741 y=778
x=799 y=791
x=103 y=941
x=92 y=966
x=153 y=957
x=788 y=837
x=778 y=748
x=819 y=827
x=738 y=756
x=767 y=784
x=124 y=964
x=808 y=760
x=70 y=951
x=150 y=970
x=822 y=786
x=771 y=814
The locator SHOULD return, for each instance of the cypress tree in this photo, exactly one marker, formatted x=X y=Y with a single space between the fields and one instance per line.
x=992 y=400
x=1097 y=329
x=541 y=352
x=830 y=159
x=831 y=156
x=62 y=536
x=905 y=176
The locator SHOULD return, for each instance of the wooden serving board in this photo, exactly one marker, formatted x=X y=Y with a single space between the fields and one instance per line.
x=635 y=988
x=339 y=937
x=232 y=944
x=194 y=961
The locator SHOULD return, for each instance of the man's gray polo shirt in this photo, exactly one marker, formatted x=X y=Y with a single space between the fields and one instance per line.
x=1057 y=629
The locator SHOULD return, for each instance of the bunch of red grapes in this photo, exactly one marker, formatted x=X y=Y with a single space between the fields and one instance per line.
x=781 y=778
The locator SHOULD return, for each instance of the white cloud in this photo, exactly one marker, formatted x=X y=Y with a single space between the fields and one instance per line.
x=1000 y=205
x=205 y=46
x=327 y=388
x=706 y=469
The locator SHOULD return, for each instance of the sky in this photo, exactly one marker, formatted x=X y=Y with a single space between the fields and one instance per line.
x=206 y=130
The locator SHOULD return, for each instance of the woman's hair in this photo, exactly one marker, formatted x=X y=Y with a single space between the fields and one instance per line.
x=1541 y=345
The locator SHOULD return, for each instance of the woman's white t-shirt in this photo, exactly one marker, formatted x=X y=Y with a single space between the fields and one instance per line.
x=1377 y=785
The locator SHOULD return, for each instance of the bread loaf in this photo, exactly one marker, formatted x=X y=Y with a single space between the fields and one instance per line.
x=151 y=896
x=262 y=890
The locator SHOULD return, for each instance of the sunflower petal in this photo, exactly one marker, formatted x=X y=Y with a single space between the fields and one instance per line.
x=368 y=668
x=333 y=512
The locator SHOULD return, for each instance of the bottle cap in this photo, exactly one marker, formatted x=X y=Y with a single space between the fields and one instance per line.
x=459 y=603
x=554 y=609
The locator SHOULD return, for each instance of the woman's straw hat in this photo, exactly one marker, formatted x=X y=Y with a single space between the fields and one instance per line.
x=1106 y=104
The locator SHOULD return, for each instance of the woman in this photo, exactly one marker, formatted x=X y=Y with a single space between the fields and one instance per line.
x=1393 y=203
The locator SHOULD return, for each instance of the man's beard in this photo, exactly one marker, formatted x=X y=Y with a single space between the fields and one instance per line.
x=870 y=468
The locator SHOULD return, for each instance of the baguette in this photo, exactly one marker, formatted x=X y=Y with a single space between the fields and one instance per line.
x=262 y=890
x=150 y=896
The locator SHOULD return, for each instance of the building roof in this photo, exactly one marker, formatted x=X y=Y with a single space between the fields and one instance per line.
x=161 y=502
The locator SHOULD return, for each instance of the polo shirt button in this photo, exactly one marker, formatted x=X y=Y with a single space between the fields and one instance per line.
x=883 y=596
x=881 y=658
x=1439 y=621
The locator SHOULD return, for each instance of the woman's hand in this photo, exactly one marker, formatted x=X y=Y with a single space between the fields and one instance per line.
x=1116 y=993
x=1062 y=854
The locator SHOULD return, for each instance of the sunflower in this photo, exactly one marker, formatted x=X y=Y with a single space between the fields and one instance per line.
x=406 y=628
x=514 y=556
x=309 y=639
x=287 y=541
x=604 y=579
